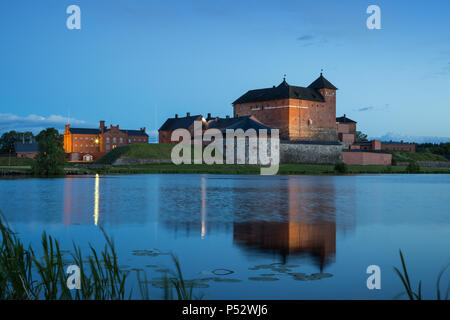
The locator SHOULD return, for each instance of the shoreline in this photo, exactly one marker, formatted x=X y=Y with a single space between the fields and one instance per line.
x=169 y=168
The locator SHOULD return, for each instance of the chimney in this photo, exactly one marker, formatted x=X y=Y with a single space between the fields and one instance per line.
x=102 y=126
x=176 y=116
x=217 y=118
x=209 y=115
x=228 y=117
x=188 y=114
x=345 y=115
x=143 y=129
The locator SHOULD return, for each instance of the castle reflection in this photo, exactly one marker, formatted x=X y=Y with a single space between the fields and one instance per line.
x=309 y=227
x=282 y=217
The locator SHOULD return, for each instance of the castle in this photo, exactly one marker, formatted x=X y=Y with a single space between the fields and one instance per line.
x=299 y=113
x=306 y=119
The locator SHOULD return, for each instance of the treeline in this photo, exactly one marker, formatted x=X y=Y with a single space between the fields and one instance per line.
x=8 y=139
x=51 y=157
x=436 y=148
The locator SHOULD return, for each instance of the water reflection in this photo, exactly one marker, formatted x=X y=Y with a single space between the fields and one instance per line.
x=309 y=228
x=286 y=217
x=97 y=197
x=96 y=200
x=203 y=207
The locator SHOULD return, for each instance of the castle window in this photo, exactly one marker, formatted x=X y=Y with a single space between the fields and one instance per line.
x=121 y=140
x=107 y=139
x=129 y=140
x=114 y=140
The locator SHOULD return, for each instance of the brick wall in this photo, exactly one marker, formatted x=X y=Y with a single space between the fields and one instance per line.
x=366 y=158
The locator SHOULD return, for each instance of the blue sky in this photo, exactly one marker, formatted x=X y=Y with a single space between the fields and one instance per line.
x=137 y=62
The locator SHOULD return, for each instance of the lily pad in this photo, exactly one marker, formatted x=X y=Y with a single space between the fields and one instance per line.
x=227 y=280
x=263 y=279
x=149 y=253
x=318 y=276
x=298 y=274
x=261 y=266
x=222 y=272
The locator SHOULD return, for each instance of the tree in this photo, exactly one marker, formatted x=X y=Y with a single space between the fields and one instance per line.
x=51 y=157
x=360 y=137
x=8 y=139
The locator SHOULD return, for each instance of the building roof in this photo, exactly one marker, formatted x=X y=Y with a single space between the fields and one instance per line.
x=245 y=123
x=135 y=132
x=97 y=131
x=220 y=123
x=283 y=91
x=84 y=131
x=179 y=123
x=26 y=147
x=322 y=83
x=344 y=119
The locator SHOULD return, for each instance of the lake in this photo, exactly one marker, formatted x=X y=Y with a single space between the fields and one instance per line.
x=259 y=227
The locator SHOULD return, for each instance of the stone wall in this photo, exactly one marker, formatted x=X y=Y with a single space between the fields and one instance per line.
x=310 y=153
x=125 y=161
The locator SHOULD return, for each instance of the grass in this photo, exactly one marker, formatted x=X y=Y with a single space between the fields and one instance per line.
x=140 y=151
x=417 y=295
x=5 y=161
x=24 y=275
x=406 y=156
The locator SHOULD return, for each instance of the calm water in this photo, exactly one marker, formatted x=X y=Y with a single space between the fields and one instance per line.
x=331 y=224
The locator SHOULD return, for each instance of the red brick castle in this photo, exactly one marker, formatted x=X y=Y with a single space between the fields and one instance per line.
x=300 y=113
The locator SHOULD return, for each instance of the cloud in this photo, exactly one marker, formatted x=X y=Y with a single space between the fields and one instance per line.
x=383 y=107
x=365 y=109
x=306 y=37
x=309 y=39
x=35 y=123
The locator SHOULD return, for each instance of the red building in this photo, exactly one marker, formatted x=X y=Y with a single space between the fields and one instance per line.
x=84 y=144
x=346 y=129
x=299 y=113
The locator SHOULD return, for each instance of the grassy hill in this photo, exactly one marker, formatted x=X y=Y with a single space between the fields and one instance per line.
x=405 y=156
x=141 y=151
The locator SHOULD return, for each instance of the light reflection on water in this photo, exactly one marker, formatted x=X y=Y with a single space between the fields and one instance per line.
x=333 y=224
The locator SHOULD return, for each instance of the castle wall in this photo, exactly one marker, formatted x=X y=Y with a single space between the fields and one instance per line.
x=310 y=153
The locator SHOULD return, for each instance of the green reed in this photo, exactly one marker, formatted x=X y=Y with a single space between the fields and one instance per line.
x=26 y=276
x=417 y=295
